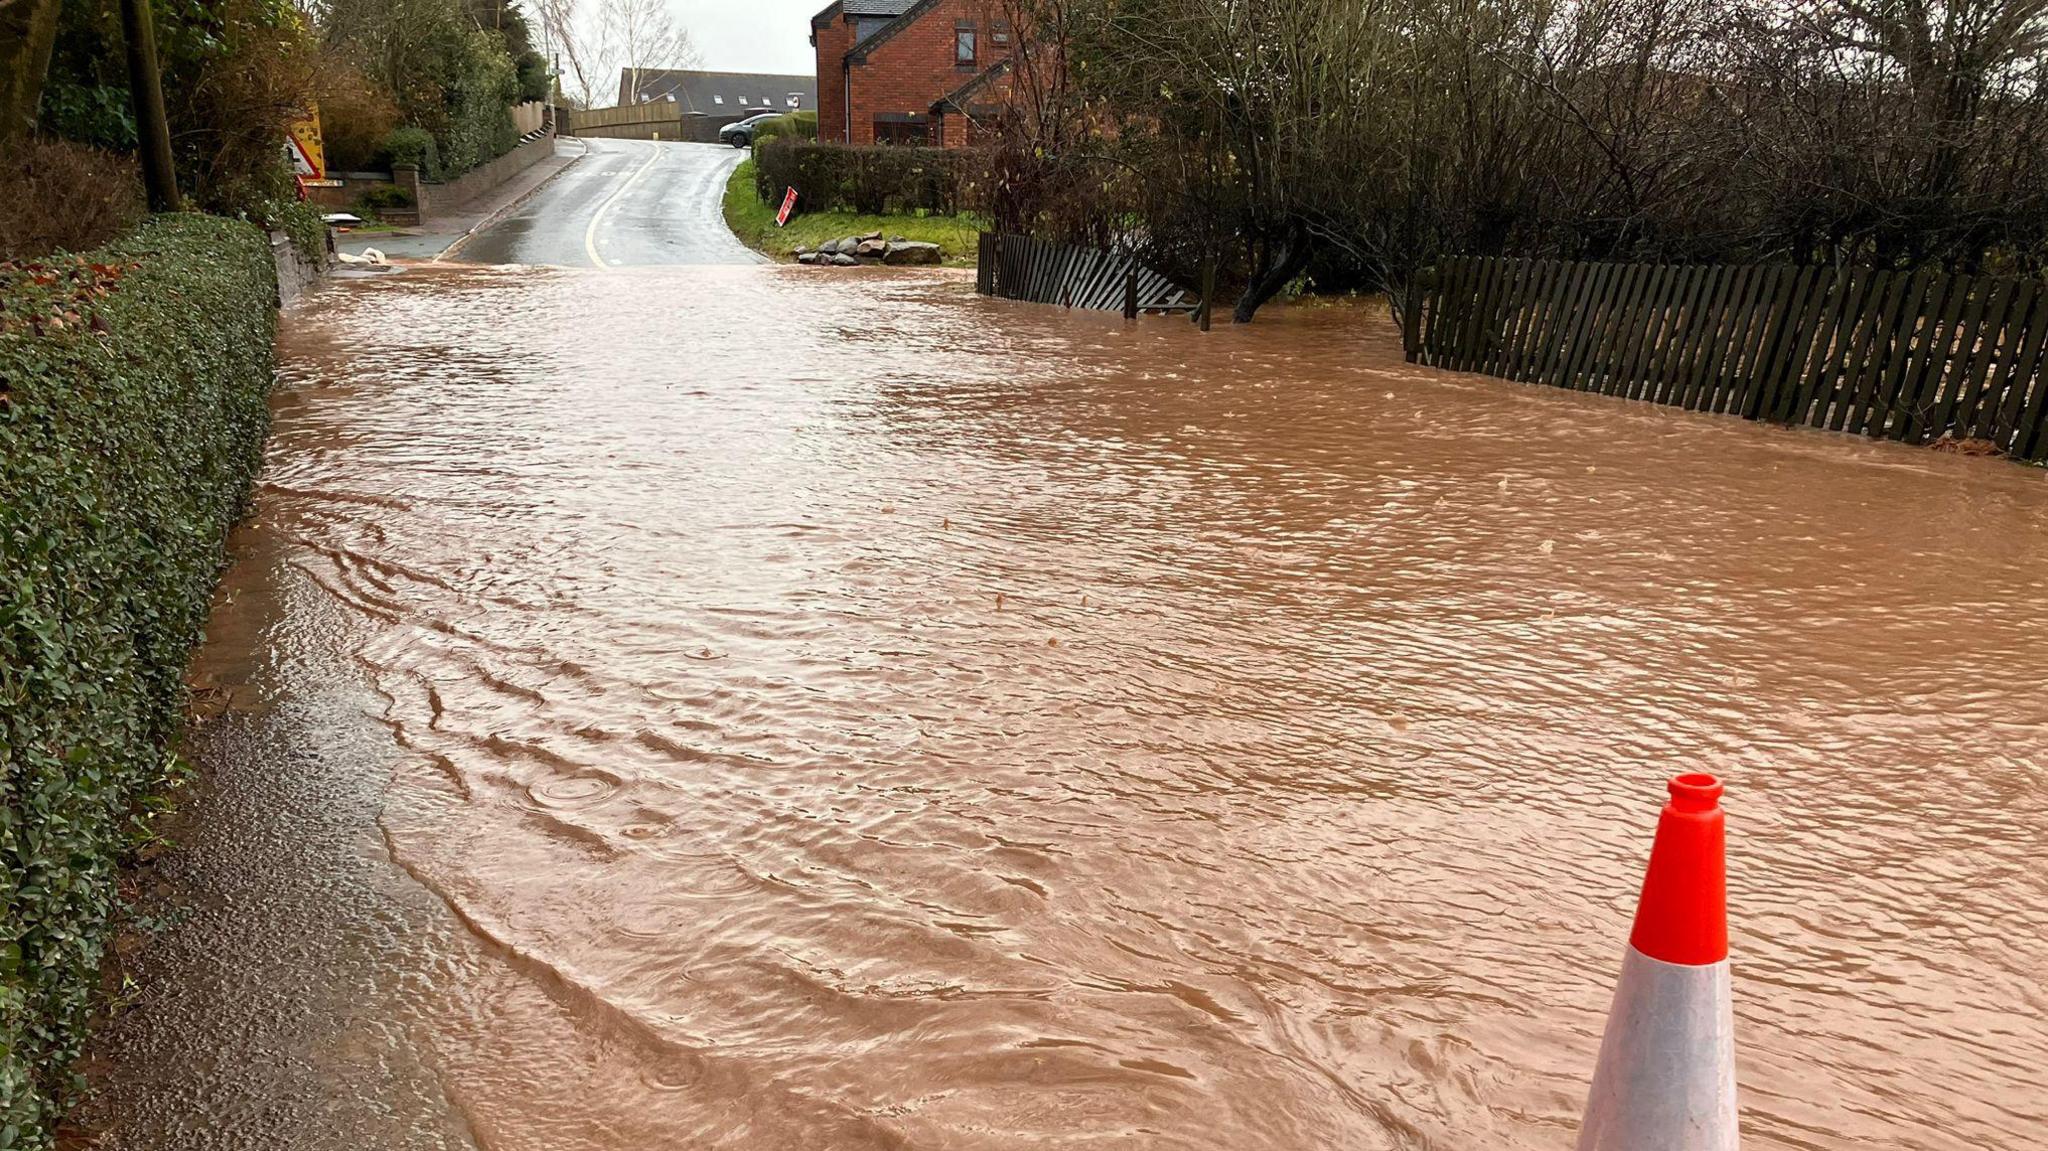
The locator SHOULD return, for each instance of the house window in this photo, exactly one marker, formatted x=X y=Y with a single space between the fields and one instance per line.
x=795 y=100
x=902 y=129
x=963 y=45
x=717 y=99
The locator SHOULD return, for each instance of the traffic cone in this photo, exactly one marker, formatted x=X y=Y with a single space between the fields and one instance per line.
x=1666 y=1076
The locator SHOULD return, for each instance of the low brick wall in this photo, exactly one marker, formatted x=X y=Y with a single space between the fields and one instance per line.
x=349 y=187
x=455 y=194
x=430 y=199
x=529 y=117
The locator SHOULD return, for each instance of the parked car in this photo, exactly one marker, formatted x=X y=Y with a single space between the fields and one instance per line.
x=740 y=133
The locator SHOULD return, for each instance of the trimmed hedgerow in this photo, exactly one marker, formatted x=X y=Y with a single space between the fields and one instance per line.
x=132 y=415
x=875 y=179
x=795 y=125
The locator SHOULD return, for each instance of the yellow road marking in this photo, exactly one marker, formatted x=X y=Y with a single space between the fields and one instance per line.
x=590 y=232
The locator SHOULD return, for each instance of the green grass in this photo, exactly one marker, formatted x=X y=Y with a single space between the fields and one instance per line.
x=754 y=223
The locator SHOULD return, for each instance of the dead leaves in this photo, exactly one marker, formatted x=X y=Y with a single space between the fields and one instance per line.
x=49 y=297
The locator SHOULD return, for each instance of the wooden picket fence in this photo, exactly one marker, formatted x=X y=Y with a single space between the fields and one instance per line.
x=1041 y=271
x=1904 y=355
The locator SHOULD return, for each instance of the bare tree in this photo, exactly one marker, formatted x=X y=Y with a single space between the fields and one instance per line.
x=605 y=42
x=563 y=29
x=638 y=35
x=1357 y=141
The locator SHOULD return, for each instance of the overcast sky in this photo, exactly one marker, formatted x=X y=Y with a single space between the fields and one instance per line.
x=751 y=35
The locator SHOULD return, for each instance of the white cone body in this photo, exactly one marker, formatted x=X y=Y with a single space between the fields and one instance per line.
x=1666 y=1077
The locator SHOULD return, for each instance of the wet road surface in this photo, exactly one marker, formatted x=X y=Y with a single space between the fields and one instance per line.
x=627 y=202
x=942 y=722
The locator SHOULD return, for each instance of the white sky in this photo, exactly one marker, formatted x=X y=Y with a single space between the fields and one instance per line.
x=750 y=35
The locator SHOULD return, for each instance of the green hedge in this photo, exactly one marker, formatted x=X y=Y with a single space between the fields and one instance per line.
x=874 y=180
x=132 y=416
x=795 y=125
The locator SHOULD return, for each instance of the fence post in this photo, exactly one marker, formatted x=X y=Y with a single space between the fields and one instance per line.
x=1208 y=291
x=1411 y=317
x=1131 y=293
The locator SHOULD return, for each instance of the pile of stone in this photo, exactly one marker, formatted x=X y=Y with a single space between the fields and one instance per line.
x=869 y=249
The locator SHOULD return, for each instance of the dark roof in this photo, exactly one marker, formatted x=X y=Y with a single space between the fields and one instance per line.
x=906 y=14
x=719 y=92
x=876 y=7
x=864 y=9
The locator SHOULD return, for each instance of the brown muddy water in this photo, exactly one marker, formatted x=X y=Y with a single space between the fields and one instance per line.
x=852 y=714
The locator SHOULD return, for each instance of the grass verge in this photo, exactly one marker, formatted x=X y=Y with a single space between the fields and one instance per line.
x=754 y=223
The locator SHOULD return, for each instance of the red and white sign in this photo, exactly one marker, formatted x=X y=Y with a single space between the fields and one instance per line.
x=788 y=202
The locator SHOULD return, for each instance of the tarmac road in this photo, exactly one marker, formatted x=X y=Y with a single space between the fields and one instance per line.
x=627 y=203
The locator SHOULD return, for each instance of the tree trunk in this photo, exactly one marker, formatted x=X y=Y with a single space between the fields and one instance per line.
x=146 y=92
x=1282 y=260
x=28 y=30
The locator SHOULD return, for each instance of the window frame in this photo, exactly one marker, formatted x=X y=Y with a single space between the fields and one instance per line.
x=905 y=129
x=966 y=36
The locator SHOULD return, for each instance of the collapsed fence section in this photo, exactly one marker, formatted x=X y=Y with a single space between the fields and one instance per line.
x=1904 y=355
x=1041 y=271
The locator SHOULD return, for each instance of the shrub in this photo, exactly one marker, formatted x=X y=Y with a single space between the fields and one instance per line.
x=132 y=417
x=235 y=73
x=382 y=196
x=478 y=97
x=249 y=74
x=356 y=116
x=411 y=147
x=41 y=208
x=301 y=221
x=794 y=125
x=871 y=180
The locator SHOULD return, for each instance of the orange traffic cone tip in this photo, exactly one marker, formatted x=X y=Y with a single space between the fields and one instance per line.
x=1682 y=916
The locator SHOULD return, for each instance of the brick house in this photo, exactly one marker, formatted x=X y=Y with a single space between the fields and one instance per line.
x=908 y=71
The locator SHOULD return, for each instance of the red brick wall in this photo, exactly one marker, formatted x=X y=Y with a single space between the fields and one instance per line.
x=964 y=127
x=833 y=41
x=913 y=69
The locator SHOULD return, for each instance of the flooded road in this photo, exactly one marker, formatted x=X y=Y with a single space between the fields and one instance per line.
x=779 y=712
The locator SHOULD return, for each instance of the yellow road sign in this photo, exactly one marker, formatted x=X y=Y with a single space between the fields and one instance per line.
x=308 y=155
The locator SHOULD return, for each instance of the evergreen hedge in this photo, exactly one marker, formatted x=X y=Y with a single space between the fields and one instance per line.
x=874 y=180
x=133 y=384
x=795 y=125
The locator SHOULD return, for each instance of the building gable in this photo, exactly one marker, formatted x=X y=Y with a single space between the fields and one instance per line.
x=889 y=31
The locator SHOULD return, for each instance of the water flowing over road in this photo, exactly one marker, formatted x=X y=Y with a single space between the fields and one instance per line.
x=794 y=710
